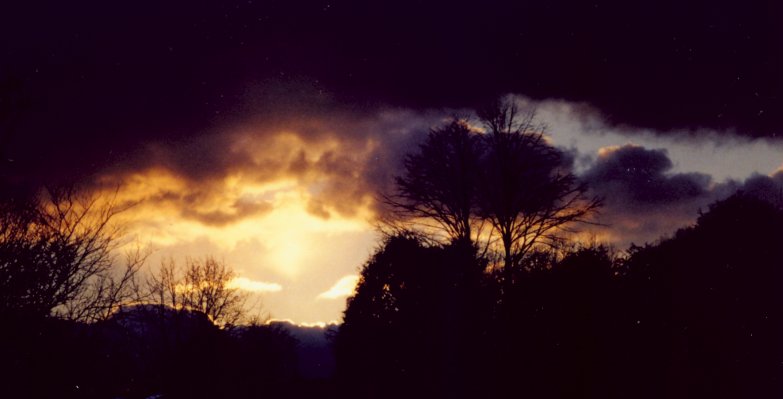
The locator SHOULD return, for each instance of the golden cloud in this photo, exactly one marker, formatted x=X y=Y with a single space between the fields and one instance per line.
x=343 y=288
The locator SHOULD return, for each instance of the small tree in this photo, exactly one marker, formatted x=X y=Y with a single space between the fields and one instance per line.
x=203 y=286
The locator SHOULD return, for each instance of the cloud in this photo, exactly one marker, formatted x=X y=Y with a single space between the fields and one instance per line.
x=644 y=199
x=245 y=284
x=636 y=177
x=341 y=289
x=338 y=162
x=769 y=188
x=182 y=80
x=240 y=209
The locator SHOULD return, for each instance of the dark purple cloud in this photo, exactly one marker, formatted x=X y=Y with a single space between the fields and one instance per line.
x=92 y=80
x=636 y=177
x=644 y=199
x=768 y=188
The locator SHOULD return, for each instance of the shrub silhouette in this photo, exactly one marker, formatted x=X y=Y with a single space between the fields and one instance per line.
x=413 y=321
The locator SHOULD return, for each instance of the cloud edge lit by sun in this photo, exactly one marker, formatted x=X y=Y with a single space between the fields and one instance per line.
x=246 y=284
x=343 y=288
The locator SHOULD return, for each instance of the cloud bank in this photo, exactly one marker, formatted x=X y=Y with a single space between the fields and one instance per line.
x=644 y=199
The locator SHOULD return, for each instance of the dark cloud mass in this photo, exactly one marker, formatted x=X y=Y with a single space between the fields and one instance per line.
x=98 y=78
x=644 y=199
x=769 y=188
x=636 y=177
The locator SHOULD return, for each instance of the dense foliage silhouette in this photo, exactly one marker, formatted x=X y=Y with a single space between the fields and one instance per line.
x=696 y=315
x=416 y=310
x=144 y=351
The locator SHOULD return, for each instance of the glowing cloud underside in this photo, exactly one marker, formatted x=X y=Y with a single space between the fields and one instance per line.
x=342 y=288
x=246 y=284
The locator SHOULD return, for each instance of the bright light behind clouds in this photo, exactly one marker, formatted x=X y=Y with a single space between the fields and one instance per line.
x=288 y=204
x=284 y=253
x=343 y=288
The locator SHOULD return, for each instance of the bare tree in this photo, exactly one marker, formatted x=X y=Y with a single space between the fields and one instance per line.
x=202 y=286
x=57 y=255
x=162 y=287
x=528 y=193
x=110 y=290
x=207 y=290
x=440 y=181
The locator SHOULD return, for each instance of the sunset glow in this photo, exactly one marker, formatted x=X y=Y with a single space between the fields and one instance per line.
x=246 y=199
x=280 y=230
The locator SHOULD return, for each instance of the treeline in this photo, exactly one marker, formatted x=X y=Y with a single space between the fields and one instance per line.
x=146 y=351
x=696 y=315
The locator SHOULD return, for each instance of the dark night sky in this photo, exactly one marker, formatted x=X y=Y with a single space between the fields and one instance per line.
x=112 y=73
x=180 y=100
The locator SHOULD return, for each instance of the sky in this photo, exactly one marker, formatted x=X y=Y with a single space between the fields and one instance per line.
x=261 y=132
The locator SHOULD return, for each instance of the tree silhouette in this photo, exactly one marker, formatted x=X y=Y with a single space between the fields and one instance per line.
x=415 y=322
x=509 y=177
x=440 y=181
x=57 y=256
x=202 y=286
x=709 y=302
x=527 y=191
x=264 y=361
x=557 y=340
x=696 y=315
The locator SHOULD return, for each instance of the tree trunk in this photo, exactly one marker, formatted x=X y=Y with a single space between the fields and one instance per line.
x=508 y=266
